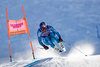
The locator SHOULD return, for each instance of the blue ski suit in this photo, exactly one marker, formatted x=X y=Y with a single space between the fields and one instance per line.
x=48 y=37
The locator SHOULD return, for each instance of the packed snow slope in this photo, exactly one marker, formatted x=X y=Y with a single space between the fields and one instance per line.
x=73 y=59
x=75 y=20
x=59 y=62
x=67 y=62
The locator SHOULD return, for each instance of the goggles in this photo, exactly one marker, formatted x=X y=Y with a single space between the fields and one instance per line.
x=44 y=29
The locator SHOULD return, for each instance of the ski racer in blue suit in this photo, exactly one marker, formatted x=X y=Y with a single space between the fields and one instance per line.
x=47 y=35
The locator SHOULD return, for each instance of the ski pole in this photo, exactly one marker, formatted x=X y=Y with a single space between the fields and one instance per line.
x=76 y=48
x=80 y=51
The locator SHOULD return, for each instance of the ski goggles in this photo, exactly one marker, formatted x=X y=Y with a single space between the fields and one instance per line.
x=44 y=29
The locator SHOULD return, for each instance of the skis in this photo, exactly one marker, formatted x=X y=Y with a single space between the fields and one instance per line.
x=62 y=47
x=59 y=49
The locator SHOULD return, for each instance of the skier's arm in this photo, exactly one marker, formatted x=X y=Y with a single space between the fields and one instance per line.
x=54 y=31
x=57 y=33
x=39 y=38
x=40 y=41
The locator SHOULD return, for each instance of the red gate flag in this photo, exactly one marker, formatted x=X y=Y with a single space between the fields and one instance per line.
x=17 y=27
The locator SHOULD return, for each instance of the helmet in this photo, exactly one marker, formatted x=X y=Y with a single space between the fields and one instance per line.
x=43 y=26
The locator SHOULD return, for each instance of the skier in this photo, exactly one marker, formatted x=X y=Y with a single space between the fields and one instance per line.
x=47 y=35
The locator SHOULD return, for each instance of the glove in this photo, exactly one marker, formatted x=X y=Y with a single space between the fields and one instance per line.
x=60 y=39
x=45 y=47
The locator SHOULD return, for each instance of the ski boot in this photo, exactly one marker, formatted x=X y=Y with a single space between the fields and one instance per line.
x=57 y=49
x=62 y=46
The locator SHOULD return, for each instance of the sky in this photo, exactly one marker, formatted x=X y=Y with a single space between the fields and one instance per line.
x=75 y=20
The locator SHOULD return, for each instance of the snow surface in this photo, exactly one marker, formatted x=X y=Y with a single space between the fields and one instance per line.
x=75 y=20
x=67 y=62
x=77 y=60
x=73 y=58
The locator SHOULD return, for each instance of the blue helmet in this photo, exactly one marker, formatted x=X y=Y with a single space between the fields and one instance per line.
x=42 y=25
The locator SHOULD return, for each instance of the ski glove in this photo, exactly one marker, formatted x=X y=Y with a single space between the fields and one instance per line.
x=45 y=47
x=60 y=39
